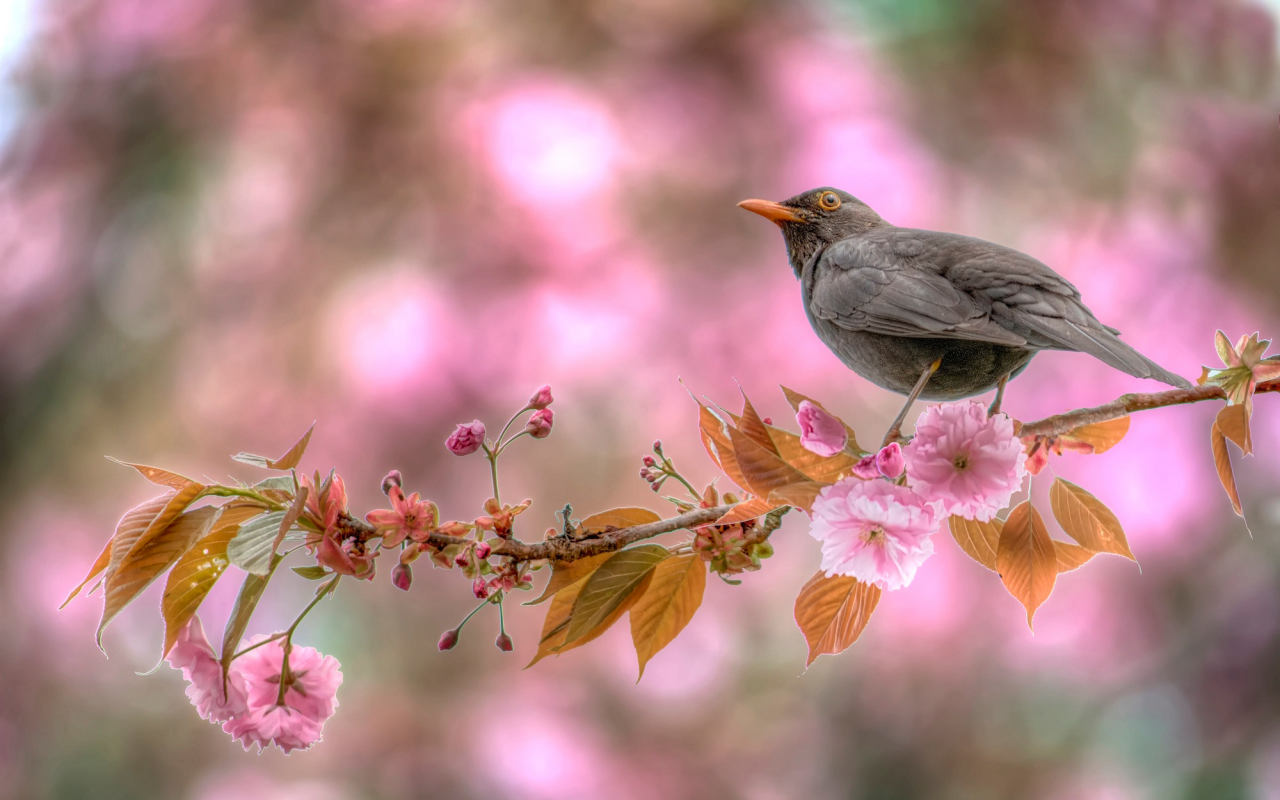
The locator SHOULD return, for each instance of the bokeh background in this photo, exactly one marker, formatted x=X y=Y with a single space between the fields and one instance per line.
x=223 y=219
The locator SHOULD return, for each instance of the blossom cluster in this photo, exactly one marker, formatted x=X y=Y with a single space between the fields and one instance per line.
x=876 y=525
x=262 y=701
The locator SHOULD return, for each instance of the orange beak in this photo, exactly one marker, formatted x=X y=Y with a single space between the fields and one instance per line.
x=776 y=212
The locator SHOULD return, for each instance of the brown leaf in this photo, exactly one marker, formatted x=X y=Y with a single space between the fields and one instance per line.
x=610 y=585
x=798 y=495
x=715 y=437
x=1070 y=556
x=1087 y=520
x=178 y=502
x=665 y=608
x=555 y=629
x=1233 y=421
x=198 y=570
x=823 y=469
x=832 y=612
x=1102 y=436
x=565 y=573
x=979 y=540
x=1222 y=460
x=128 y=529
x=762 y=469
x=156 y=475
x=1026 y=560
x=795 y=398
x=285 y=462
x=750 y=424
x=618 y=518
x=754 y=508
x=99 y=564
x=143 y=565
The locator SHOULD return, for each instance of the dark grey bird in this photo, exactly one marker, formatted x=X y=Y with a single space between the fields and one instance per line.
x=933 y=315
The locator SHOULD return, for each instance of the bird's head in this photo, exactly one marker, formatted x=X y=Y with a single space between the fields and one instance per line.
x=814 y=219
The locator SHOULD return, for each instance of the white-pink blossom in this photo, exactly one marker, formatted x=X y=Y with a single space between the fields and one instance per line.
x=308 y=700
x=966 y=462
x=192 y=654
x=820 y=432
x=873 y=530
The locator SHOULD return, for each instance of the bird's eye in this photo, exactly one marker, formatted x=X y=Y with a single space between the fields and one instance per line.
x=829 y=201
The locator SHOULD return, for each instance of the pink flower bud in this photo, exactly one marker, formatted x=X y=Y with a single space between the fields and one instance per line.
x=539 y=424
x=480 y=588
x=866 y=468
x=447 y=640
x=890 y=461
x=402 y=577
x=657 y=446
x=503 y=642
x=767 y=420
x=466 y=439
x=483 y=550
x=541 y=398
x=645 y=473
x=650 y=462
x=393 y=479
x=820 y=432
x=461 y=560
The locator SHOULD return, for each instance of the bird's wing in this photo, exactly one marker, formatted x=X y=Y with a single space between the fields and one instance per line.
x=883 y=286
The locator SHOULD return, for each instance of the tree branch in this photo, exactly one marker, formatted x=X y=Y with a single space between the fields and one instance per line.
x=1127 y=404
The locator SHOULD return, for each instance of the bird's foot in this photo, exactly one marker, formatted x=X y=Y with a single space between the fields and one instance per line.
x=994 y=408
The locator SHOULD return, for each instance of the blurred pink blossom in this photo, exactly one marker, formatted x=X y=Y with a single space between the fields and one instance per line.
x=541 y=398
x=875 y=531
x=308 y=701
x=967 y=462
x=539 y=424
x=466 y=438
x=820 y=432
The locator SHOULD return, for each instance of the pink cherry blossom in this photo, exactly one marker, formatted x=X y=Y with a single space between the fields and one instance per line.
x=966 y=462
x=875 y=531
x=820 y=432
x=410 y=517
x=466 y=438
x=539 y=424
x=193 y=655
x=327 y=502
x=309 y=698
x=890 y=461
x=541 y=398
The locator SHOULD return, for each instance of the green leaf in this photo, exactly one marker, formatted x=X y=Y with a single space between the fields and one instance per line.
x=610 y=585
x=250 y=593
x=315 y=572
x=277 y=483
x=253 y=546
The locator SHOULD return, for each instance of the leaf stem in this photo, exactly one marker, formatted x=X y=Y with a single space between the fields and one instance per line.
x=492 y=455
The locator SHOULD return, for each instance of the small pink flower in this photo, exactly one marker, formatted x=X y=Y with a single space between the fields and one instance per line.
x=466 y=438
x=966 y=462
x=541 y=398
x=539 y=424
x=875 y=531
x=192 y=654
x=402 y=577
x=889 y=461
x=820 y=432
x=410 y=517
x=326 y=503
x=480 y=588
x=309 y=698
x=503 y=643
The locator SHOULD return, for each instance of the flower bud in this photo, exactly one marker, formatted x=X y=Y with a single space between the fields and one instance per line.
x=820 y=432
x=541 y=398
x=866 y=468
x=503 y=642
x=461 y=560
x=539 y=424
x=466 y=438
x=657 y=446
x=890 y=461
x=402 y=576
x=448 y=639
x=483 y=550
x=762 y=550
x=393 y=479
x=480 y=588
x=649 y=461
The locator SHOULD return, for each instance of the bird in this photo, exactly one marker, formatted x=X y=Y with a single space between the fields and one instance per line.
x=933 y=315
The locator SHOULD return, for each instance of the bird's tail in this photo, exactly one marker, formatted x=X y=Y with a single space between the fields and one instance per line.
x=1105 y=346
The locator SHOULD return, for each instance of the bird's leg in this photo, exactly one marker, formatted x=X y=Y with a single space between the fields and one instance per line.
x=995 y=404
x=895 y=430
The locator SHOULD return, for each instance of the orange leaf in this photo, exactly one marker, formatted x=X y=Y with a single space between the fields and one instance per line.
x=715 y=438
x=798 y=495
x=763 y=470
x=1086 y=519
x=555 y=629
x=832 y=612
x=197 y=571
x=750 y=424
x=143 y=565
x=285 y=462
x=1102 y=436
x=565 y=573
x=1222 y=460
x=754 y=508
x=823 y=469
x=104 y=558
x=613 y=583
x=665 y=608
x=156 y=475
x=617 y=518
x=795 y=398
x=1026 y=560
x=178 y=503
x=1233 y=421
x=1070 y=556
x=979 y=540
x=128 y=529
